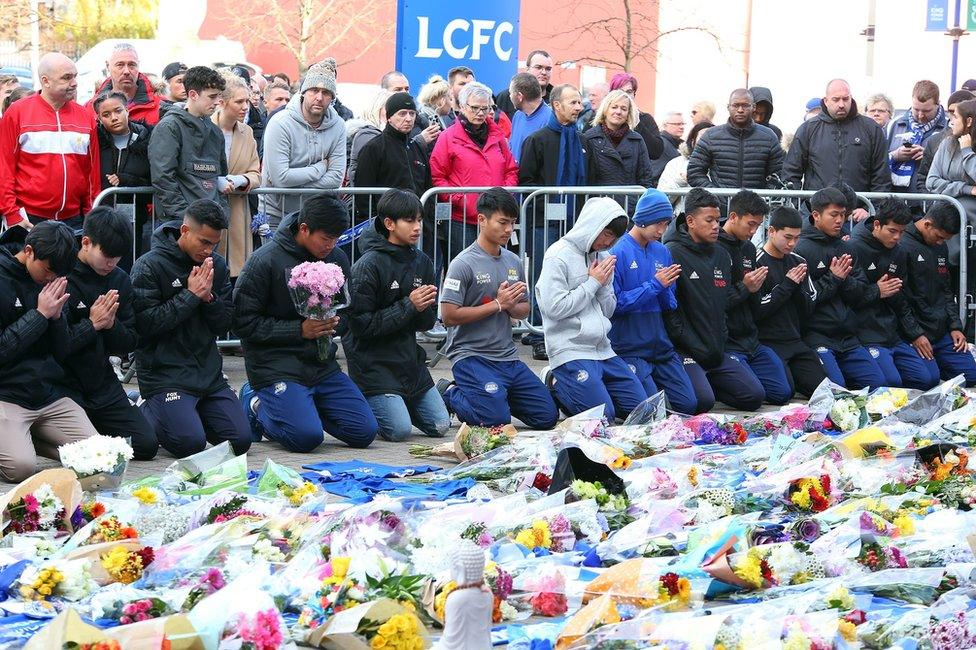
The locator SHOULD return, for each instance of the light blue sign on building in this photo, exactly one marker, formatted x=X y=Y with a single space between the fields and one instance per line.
x=434 y=36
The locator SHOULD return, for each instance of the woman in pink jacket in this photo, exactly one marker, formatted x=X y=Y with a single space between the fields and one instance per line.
x=471 y=152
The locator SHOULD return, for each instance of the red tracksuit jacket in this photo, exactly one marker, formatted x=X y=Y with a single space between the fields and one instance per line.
x=48 y=160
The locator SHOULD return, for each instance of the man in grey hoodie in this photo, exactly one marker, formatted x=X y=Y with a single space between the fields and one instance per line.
x=304 y=145
x=576 y=299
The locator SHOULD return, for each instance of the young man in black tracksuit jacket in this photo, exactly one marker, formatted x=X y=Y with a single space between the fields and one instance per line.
x=295 y=388
x=929 y=292
x=746 y=211
x=887 y=322
x=698 y=326
x=101 y=322
x=394 y=296
x=831 y=328
x=34 y=411
x=785 y=299
x=182 y=304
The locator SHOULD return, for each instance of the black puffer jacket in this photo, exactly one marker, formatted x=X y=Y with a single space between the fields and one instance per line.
x=625 y=164
x=853 y=150
x=30 y=345
x=265 y=318
x=89 y=376
x=928 y=289
x=727 y=156
x=884 y=321
x=381 y=345
x=833 y=321
x=698 y=326
x=178 y=332
x=743 y=305
x=648 y=129
x=131 y=164
x=391 y=159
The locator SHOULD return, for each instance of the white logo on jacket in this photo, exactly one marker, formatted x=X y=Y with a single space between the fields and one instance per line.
x=177 y=283
x=633 y=264
x=491 y=387
x=394 y=285
x=280 y=388
x=582 y=376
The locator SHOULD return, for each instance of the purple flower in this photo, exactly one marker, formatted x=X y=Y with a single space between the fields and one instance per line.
x=485 y=539
x=807 y=529
x=559 y=524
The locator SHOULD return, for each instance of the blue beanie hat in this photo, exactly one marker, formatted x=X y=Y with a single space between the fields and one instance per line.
x=652 y=207
x=814 y=103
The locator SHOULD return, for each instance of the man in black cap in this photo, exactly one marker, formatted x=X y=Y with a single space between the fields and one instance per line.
x=394 y=159
x=175 y=90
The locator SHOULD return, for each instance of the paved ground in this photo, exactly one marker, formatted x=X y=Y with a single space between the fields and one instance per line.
x=394 y=453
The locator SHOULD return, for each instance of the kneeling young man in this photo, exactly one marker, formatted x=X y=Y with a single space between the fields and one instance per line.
x=644 y=281
x=698 y=325
x=576 y=300
x=35 y=415
x=483 y=292
x=929 y=293
x=785 y=299
x=885 y=320
x=831 y=328
x=393 y=298
x=102 y=323
x=182 y=304
x=292 y=392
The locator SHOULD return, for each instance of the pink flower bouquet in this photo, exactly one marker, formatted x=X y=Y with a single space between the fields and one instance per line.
x=314 y=287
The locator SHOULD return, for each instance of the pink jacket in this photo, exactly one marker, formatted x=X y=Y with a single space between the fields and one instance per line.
x=458 y=162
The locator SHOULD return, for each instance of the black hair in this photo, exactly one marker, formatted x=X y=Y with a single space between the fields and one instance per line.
x=850 y=197
x=110 y=230
x=618 y=226
x=204 y=212
x=825 y=197
x=748 y=202
x=891 y=211
x=498 y=200
x=107 y=95
x=695 y=132
x=944 y=216
x=396 y=204
x=55 y=243
x=200 y=78
x=324 y=212
x=699 y=198
x=785 y=216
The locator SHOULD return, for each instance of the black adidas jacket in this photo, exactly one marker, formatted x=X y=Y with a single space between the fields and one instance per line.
x=697 y=327
x=30 y=345
x=381 y=345
x=883 y=321
x=928 y=290
x=177 y=348
x=832 y=323
x=89 y=377
x=741 y=313
x=783 y=303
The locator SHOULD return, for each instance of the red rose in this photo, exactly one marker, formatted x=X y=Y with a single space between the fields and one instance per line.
x=541 y=482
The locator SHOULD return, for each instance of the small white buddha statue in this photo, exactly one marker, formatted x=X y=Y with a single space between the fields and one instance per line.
x=467 y=610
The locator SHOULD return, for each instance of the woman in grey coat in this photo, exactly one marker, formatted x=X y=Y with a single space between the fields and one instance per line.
x=617 y=153
x=953 y=170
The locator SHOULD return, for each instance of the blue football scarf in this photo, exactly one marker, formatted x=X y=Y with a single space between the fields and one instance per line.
x=571 y=169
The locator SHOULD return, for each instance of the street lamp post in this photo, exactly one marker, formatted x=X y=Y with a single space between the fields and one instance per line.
x=955 y=33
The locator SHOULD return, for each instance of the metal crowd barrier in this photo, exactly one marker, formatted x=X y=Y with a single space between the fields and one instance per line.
x=546 y=213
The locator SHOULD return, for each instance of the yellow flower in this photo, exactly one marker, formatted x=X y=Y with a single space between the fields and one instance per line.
x=441 y=599
x=905 y=524
x=693 y=476
x=684 y=590
x=847 y=630
x=340 y=567
x=750 y=569
x=146 y=495
x=377 y=641
x=388 y=629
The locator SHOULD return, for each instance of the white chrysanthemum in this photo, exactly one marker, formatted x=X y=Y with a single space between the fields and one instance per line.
x=95 y=454
x=786 y=562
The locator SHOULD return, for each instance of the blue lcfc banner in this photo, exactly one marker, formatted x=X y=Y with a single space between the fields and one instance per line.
x=434 y=36
x=937 y=15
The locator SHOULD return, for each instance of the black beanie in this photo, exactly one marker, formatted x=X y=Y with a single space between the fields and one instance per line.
x=398 y=102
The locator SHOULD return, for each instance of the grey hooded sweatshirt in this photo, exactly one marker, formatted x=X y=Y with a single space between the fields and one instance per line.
x=575 y=308
x=297 y=154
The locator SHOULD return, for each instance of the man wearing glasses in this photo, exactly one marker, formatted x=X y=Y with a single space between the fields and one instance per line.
x=539 y=64
x=739 y=153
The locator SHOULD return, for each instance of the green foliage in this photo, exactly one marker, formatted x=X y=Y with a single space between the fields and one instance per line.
x=86 y=22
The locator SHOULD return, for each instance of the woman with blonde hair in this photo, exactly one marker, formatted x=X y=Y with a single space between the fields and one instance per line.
x=243 y=169
x=435 y=101
x=618 y=155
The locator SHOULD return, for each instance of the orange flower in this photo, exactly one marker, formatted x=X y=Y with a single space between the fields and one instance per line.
x=98 y=509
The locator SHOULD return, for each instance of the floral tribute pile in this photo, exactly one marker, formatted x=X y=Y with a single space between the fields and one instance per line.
x=845 y=522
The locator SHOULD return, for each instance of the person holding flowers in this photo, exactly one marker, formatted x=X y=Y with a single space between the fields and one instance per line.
x=394 y=296
x=182 y=304
x=295 y=388
x=35 y=415
x=102 y=323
